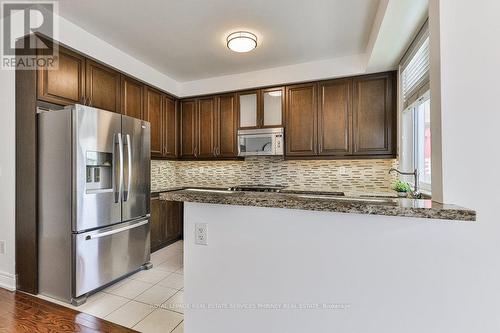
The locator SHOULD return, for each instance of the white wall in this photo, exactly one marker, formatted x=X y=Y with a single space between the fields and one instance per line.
x=316 y=70
x=79 y=39
x=396 y=274
x=469 y=71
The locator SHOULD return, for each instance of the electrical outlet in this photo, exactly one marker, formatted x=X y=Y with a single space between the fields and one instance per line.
x=343 y=170
x=2 y=247
x=201 y=234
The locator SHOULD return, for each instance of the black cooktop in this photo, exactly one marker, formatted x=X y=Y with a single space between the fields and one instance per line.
x=257 y=188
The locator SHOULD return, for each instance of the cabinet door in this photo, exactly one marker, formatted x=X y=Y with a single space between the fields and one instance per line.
x=173 y=212
x=153 y=112
x=248 y=109
x=132 y=97
x=102 y=87
x=334 y=117
x=206 y=128
x=188 y=129
x=301 y=120
x=66 y=84
x=272 y=107
x=170 y=128
x=157 y=224
x=374 y=114
x=227 y=129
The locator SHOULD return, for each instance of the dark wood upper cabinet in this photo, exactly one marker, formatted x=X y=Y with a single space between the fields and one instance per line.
x=374 y=114
x=170 y=127
x=206 y=128
x=188 y=113
x=153 y=112
x=335 y=117
x=261 y=108
x=132 y=95
x=227 y=121
x=66 y=84
x=209 y=127
x=248 y=109
x=102 y=87
x=301 y=120
x=272 y=107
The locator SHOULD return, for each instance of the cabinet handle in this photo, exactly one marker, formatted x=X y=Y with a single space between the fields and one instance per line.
x=218 y=151
x=195 y=151
x=214 y=151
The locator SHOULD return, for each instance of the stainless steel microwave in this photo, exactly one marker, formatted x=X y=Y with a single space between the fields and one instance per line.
x=257 y=142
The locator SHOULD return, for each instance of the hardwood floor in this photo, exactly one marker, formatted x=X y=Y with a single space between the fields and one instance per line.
x=21 y=312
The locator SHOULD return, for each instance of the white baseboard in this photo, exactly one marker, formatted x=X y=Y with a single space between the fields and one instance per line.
x=7 y=281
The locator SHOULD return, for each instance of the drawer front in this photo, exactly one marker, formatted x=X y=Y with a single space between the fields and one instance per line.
x=104 y=255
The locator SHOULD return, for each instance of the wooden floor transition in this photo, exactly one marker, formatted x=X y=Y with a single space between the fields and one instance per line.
x=20 y=312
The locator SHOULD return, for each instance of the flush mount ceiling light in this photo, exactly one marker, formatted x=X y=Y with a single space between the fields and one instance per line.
x=241 y=41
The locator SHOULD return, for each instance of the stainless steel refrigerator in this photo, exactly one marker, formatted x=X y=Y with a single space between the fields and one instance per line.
x=93 y=200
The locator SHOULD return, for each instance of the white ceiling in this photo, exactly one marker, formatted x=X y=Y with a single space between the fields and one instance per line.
x=186 y=39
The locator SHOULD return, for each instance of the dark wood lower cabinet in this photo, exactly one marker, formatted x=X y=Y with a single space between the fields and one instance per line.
x=156 y=233
x=172 y=214
x=166 y=222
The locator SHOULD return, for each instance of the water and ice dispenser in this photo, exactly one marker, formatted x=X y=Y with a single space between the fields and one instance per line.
x=99 y=171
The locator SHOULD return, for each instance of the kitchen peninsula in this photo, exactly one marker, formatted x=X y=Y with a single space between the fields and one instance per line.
x=267 y=249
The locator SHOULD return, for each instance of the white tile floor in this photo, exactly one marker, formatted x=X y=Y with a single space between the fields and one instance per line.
x=148 y=301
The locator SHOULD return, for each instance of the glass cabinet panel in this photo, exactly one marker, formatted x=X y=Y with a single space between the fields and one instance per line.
x=272 y=108
x=248 y=110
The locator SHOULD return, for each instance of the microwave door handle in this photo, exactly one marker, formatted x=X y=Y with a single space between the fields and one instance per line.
x=120 y=167
x=126 y=191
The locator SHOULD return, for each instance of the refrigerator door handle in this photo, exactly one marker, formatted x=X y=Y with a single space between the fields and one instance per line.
x=126 y=191
x=120 y=170
x=115 y=231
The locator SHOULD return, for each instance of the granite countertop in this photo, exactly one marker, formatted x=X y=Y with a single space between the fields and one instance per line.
x=318 y=201
x=167 y=189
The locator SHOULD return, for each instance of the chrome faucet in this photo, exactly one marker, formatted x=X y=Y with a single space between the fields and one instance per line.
x=416 y=193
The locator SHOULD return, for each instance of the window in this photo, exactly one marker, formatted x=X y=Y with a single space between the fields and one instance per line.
x=416 y=141
x=414 y=68
x=415 y=118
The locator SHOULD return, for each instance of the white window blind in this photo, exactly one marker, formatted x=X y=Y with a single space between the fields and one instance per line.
x=415 y=68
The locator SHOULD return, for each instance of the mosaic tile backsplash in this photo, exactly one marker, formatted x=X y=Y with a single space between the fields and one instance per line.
x=350 y=176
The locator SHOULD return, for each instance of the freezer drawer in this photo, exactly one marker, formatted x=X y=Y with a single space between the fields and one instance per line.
x=104 y=255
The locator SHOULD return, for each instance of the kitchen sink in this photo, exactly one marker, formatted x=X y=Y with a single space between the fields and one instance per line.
x=208 y=190
x=387 y=196
x=388 y=201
